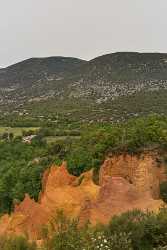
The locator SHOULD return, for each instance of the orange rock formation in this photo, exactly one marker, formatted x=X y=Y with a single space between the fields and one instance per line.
x=126 y=182
x=144 y=171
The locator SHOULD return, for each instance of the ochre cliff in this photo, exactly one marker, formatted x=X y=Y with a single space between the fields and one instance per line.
x=144 y=171
x=126 y=182
x=60 y=191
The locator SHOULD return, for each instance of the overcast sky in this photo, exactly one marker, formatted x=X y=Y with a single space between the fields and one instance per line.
x=80 y=28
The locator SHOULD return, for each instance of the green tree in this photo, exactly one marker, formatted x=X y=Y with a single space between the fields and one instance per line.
x=163 y=191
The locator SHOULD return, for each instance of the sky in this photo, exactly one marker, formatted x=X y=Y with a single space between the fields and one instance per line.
x=80 y=28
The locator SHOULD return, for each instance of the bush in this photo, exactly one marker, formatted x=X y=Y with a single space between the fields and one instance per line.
x=163 y=191
x=120 y=241
x=65 y=234
x=146 y=230
x=16 y=243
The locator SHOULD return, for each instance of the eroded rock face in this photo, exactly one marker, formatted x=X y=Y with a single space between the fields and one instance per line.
x=116 y=196
x=60 y=191
x=144 y=171
x=63 y=191
x=126 y=182
x=27 y=219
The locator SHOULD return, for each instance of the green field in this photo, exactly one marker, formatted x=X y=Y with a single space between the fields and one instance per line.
x=17 y=131
x=52 y=139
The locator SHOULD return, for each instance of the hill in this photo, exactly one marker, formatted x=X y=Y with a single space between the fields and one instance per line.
x=34 y=70
x=120 y=74
x=107 y=88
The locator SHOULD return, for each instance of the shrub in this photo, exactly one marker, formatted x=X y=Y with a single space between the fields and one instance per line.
x=147 y=230
x=120 y=241
x=163 y=191
x=65 y=234
x=16 y=243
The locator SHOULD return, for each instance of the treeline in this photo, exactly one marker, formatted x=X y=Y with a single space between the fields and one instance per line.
x=97 y=141
x=46 y=120
x=52 y=131
x=21 y=168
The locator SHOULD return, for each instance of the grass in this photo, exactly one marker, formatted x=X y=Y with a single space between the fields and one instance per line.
x=52 y=139
x=16 y=131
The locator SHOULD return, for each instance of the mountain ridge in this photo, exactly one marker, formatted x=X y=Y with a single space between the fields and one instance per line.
x=98 y=84
x=38 y=66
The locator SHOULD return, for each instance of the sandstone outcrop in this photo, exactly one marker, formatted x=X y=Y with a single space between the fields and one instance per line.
x=116 y=196
x=60 y=191
x=144 y=171
x=27 y=219
x=126 y=183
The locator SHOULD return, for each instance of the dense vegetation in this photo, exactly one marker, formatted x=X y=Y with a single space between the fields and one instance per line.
x=133 y=230
x=22 y=165
x=98 y=141
x=20 y=173
x=16 y=243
